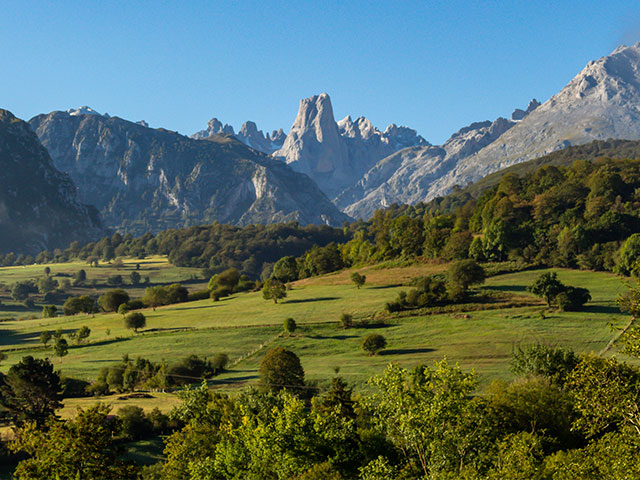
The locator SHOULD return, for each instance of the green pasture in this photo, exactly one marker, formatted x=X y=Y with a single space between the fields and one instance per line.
x=245 y=325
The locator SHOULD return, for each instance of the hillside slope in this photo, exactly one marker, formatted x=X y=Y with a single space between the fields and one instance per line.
x=39 y=208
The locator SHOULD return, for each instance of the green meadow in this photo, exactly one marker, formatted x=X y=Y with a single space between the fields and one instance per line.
x=245 y=325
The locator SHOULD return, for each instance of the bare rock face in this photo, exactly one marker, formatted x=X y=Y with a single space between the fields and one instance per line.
x=336 y=155
x=39 y=207
x=143 y=179
x=405 y=176
x=248 y=134
x=601 y=102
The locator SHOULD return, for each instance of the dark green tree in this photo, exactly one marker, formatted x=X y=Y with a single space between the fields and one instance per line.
x=281 y=369
x=111 y=300
x=45 y=337
x=285 y=269
x=83 y=447
x=61 y=347
x=462 y=274
x=547 y=286
x=358 y=279
x=289 y=325
x=373 y=343
x=273 y=290
x=155 y=296
x=135 y=320
x=31 y=391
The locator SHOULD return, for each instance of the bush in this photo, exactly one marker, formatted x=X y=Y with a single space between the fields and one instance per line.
x=199 y=295
x=136 y=304
x=220 y=292
x=289 y=325
x=176 y=293
x=430 y=291
x=73 y=387
x=346 y=320
x=572 y=299
x=111 y=300
x=358 y=279
x=373 y=343
x=134 y=424
x=462 y=274
x=135 y=320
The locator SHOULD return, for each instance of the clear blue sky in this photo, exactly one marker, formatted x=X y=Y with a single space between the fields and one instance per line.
x=433 y=65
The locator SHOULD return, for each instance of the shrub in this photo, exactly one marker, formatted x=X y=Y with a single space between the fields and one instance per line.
x=289 y=325
x=462 y=274
x=135 y=320
x=134 y=424
x=199 y=295
x=358 y=279
x=373 y=343
x=346 y=320
x=123 y=309
x=111 y=300
x=135 y=304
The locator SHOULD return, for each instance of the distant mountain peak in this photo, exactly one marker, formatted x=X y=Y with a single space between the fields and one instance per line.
x=84 y=110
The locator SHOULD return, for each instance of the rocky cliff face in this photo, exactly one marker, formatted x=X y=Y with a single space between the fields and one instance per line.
x=601 y=102
x=144 y=179
x=407 y=175
x=248 y=134
x=39 y=207
x=336 y=155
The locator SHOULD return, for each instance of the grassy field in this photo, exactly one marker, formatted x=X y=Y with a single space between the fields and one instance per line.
x=244 y=325
x=156 y=268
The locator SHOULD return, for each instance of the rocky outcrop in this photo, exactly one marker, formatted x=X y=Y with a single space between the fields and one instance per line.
x=144 y=179
x=39 y=207
x=248 y=134
x=336 y=155
x=601 y=102
x=407 y=175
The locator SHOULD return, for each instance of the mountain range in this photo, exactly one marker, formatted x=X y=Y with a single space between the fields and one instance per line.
x=143 y=179
x=322 y=171
x=39 y=207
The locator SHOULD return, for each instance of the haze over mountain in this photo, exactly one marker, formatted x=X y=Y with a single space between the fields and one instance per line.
x=39 y=207
x=336 y=154
x=601 y=102
x=143 y=179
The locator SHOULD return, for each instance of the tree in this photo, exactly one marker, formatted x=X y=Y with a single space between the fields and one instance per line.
x=358 y=279
x=289 y=325
x=135 y=278
x=111 y=300
x=547 y=286
x=373 y=343
x=80 y=277
x=49 y=311
x=47 y=271
x=31 y=391
x=135 y=320
x=74 y=305
x=281 y=369
x=61 y=347
x=155 y=296
x=229 y=279
x=176 y=293
x=549 y=362
x=83 y=447
x=47 y=284
x=20 y=291
x=45 y=337
x=123 y=309
x=462 y=274
x=82 y=334
x=285 y=270
x=273 y=289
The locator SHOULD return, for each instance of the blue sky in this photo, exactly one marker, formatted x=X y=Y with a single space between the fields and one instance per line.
x=432 y=65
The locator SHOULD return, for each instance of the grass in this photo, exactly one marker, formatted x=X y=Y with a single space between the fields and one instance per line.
x=156 y=267
x=245 y=325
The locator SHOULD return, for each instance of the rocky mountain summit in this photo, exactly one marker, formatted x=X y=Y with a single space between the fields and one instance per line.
x=336 y=154
x=39 y=207
x=601 y=102
x=248 y=134
x=143 y=179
